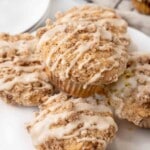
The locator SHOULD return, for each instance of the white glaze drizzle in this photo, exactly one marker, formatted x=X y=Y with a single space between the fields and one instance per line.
x=99 y=74
x=52 y=51
x=82 y=48
x=81 y=11
x=83 y=63
x=27 y=74
x=41 y=127
x=134 y=80
x=22 y=46
x=26 y=78
x=82 y=106
x=106 y=16
x=80 y=51
x=49 y=34
x=117 y=22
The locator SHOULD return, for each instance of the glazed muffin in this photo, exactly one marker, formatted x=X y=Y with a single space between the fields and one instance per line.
x=143 y=6
x=67 y=123
x=23 y=80
x=131 y=94
x=81 y=58
x=106 y=17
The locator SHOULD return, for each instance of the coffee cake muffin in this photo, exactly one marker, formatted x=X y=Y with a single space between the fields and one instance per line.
x=81 y=57
x=131 y=94
x=23 y=80
x=106 y=17
x=67 y=123
x=143 y=6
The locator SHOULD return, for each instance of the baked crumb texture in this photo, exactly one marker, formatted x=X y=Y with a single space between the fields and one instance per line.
x=23 y=79
x=67 y=123
x=106 y=17
x=131 y=94
x=82 y=56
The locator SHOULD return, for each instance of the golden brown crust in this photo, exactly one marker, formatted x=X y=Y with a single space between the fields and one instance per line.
x=75 y=89
x=131 y=95
x=22 y=75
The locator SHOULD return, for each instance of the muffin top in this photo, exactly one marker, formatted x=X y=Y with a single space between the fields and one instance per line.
x=83 y=52
x=94 y=13
x=134 y=84
x=130 y=95
x=63 y=117
x=22 y=74
x=105 y=17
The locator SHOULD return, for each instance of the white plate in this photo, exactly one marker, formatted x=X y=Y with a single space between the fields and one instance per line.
x=12 y=120
x=19 y=15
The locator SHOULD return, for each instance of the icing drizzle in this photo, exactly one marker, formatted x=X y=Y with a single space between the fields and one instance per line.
x=41 y=127
x=134 y=84
x=81 y=48
x=21 y=62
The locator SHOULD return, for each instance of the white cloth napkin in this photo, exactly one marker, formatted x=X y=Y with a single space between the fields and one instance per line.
x=127 y=11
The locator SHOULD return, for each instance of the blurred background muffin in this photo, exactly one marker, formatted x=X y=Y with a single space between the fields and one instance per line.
x=143 y=6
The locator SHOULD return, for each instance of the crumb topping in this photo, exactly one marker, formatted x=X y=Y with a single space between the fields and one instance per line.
x=105 y=17
x=64 y=117
x=87 y=53
x=21 y=64
x=93 y=13
x=134 y=84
